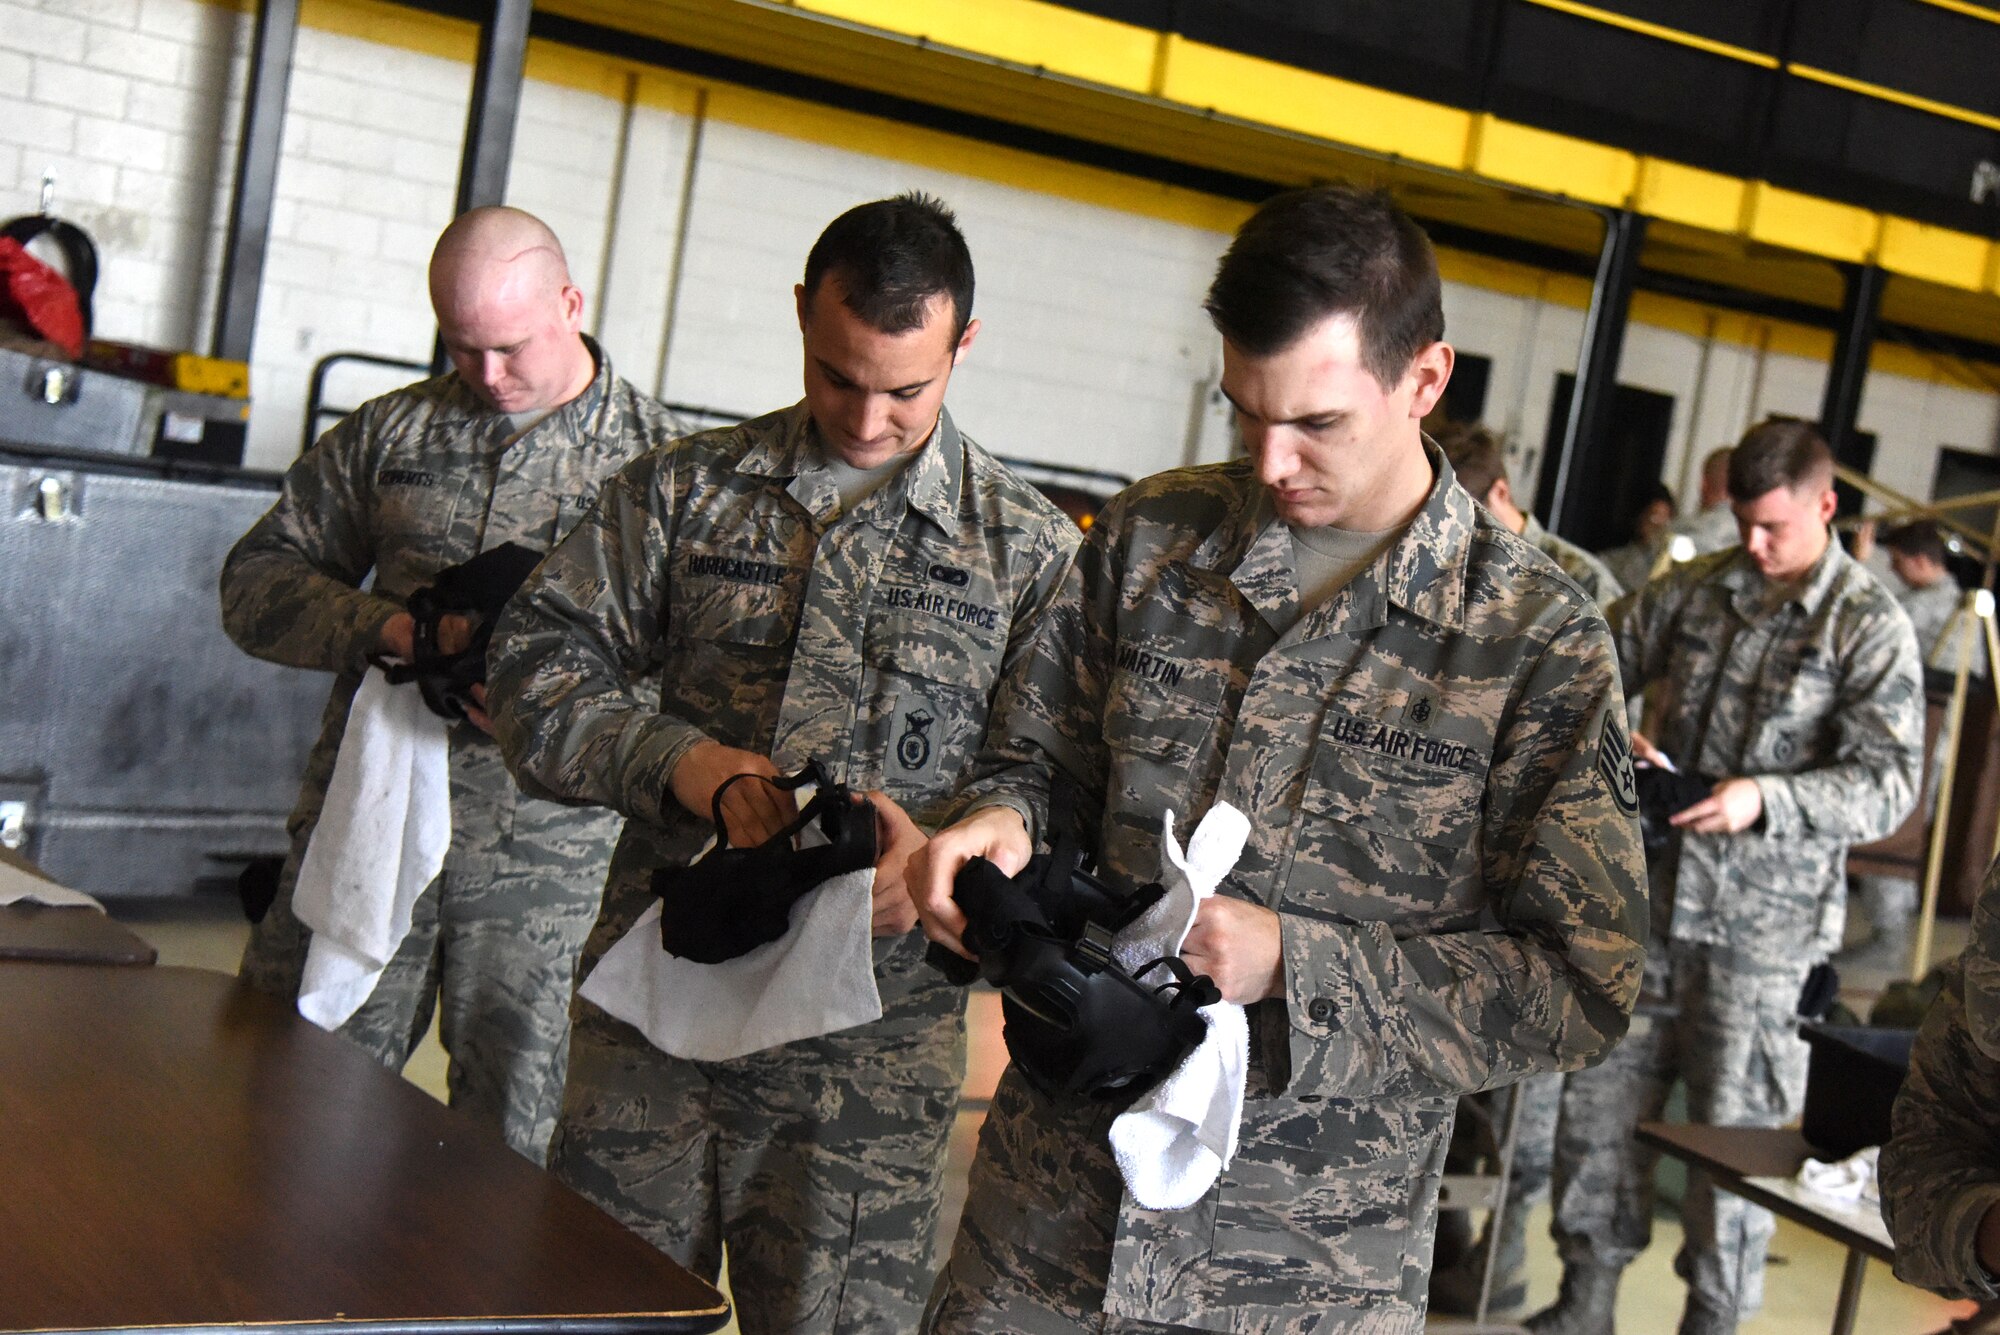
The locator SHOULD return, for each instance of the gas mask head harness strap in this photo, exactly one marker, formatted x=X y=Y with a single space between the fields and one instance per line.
x=732 y=900
x=1077 y=1023
x=477 y=589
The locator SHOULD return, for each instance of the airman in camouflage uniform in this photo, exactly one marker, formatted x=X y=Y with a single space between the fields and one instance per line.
x=1478 y=459
x=789 y=622
x=1441 y=889
x=1924 y=588
x=1712 y=526
x=1790 y=674
x=1940 y=1172
x=408 y=484
x=1480 y=462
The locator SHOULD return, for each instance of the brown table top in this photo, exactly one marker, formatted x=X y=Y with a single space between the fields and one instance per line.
x=1737 y=1155
x=179 y=1151
x=70 y=934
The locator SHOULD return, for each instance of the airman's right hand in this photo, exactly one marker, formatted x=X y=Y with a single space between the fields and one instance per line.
x=995 y=833
x=753 y=811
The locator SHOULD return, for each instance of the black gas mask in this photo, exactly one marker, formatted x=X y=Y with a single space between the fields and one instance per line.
x=1664 y=794
x=1077 y=1024
x=732 y=900
x=477 y=589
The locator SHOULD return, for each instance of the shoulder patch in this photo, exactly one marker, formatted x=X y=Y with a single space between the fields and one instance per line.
x=1614 y=761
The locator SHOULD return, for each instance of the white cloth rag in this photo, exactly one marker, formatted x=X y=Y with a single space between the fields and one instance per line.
x=1176 y=1139
x=818 y=978
x=21 y=882
x=1850 y=1180
x=381 y=838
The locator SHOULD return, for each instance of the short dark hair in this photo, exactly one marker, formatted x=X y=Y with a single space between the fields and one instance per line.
x=893 y=258
x=1475 y=455
x=1919 y=539
x=1307 y=255
x=1778 y=452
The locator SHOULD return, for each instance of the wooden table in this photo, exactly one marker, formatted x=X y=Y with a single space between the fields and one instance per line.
x=68 y=935
x=1761 y=1165
x=182 y=1152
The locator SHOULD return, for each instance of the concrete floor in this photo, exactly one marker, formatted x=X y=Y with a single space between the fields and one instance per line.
x=1802 y=1282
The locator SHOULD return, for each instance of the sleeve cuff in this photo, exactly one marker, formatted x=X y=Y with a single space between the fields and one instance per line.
x=647 y=781
x=371 y=613
x=1782 y=817
x=1962 y=1218
x=1318 y=998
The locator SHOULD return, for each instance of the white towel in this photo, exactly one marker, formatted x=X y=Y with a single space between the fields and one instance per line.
x=818 y=978
x=1850 y=1180
x=381 y=838
x=1176 y=1139
x=21 y=882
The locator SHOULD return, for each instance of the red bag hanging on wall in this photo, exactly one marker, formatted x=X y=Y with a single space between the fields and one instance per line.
x=38 y=295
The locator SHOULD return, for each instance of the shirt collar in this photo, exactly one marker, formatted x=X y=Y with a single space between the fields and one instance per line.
x=1422 y=572
x=1747 y=585
x=590 y=408
x=931 y=481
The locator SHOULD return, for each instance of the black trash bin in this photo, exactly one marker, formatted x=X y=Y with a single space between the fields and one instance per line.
x=1851 y=1085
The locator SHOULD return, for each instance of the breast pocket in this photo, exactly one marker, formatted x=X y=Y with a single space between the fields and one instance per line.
x=414 y=512
x=1161 y=737
x=1799 y=696
x=928 y=687
x=1388 y=826
x=730 y=621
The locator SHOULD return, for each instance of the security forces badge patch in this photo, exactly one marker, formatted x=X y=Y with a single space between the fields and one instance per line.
x=913 y=740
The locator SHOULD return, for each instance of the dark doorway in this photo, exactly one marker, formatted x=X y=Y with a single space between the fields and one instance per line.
x=1858 y=454
x=1609 y=478
x=1962 y=473
x=1464 y=398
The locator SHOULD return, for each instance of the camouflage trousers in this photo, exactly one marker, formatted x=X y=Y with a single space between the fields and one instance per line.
x=1731 y=1036
x=492 y=949
x=818 y=1164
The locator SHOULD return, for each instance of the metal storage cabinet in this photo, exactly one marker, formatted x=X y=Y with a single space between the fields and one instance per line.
x=139 y=749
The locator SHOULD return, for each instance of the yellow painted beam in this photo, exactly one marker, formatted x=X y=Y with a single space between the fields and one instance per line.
x=1555 y=163
x=1808 y=223
x=1935 y=254
x=854 y=132
x=1027 y=32
x=394 y=25
x=1689 y=195
x=1209 y=78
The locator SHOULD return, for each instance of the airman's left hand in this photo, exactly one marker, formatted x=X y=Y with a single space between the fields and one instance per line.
x=1733 y=806
x=1237 y=944
x=897 y=840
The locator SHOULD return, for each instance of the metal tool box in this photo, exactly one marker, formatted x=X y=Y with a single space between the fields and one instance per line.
x=140 y=750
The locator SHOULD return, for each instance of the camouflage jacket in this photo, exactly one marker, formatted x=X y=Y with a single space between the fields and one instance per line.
x=1437 y=778
x=1930 y=610
x=1819 y=701
x=1591 y=574
x=406 y=485
x=1940 y=1172
x=1631 y=565
x=872 y=642
x=1711 y=530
